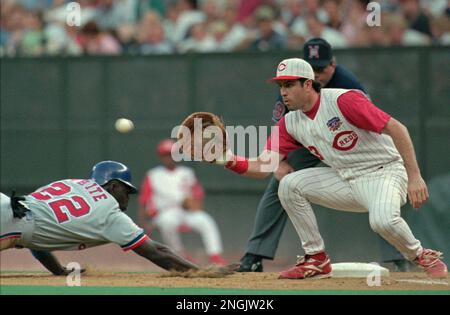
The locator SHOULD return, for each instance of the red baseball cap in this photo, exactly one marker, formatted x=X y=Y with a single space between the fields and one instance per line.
x=165 y=147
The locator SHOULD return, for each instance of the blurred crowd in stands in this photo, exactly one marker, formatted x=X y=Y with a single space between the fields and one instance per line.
x=112 y=27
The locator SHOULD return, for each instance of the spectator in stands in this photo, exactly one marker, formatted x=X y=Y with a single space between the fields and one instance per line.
x=398 y=33
x=127 y=36
x=375 y=36
x=113 y=13
x=246 y=9
x=268 y=38
x=212 y=11
x=152 y=36
x=355 y=22
x=158 y=6
x=236 y=33
x=299 y=26
x=440 y=28
x=334 y=12
x=318 y=29
x=188 y=15
x=96 y=42
x=290 y=11
x=38 y=27
x=198 y=40
x=33 y=40
x=415 y=17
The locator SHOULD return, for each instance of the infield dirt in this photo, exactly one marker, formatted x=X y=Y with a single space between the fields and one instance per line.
x=266 y=280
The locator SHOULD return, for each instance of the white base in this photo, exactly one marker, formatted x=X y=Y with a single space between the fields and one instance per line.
x=358 y=270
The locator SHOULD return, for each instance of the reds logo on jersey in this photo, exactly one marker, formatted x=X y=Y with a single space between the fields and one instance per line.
x=313 y=51
x=345 y=140
x=334 y=124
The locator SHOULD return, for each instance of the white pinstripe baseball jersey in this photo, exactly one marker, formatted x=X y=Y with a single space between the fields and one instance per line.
x=169 y=187
x=348 y=149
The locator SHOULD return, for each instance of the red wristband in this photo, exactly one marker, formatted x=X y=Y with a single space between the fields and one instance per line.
x=238 y=164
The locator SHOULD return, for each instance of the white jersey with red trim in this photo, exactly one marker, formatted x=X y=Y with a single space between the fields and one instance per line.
x=76 y=214
x=170 y=187
x=348 y=149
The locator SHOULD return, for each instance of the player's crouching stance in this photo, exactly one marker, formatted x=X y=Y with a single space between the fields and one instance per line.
x=75 y=214
x=372 y=168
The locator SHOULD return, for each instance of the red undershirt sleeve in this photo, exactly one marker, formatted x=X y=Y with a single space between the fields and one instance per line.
x=361 y=112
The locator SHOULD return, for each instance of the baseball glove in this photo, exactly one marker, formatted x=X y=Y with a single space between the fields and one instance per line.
x=203 y=137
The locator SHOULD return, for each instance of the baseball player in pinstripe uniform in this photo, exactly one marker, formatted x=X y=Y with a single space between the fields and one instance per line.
x=74 y=214
x=271 y=218
x=171 y=199
x=372 y=162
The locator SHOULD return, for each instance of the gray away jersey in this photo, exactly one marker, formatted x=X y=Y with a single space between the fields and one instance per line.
x=76 y=214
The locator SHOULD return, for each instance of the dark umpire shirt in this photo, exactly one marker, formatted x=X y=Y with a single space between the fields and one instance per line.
x=341 y=79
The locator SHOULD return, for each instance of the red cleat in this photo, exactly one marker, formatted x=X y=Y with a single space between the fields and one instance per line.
x=217 y=259
x=309 y=266
x=430 y=261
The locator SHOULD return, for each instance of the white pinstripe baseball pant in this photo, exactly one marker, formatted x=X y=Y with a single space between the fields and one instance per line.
x=202 y=222
x=381 y=193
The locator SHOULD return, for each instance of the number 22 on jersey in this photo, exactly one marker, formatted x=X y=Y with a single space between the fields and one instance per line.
x=76 y=206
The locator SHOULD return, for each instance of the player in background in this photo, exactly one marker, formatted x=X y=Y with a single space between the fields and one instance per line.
x=271 y=218
x=74 y=214
x=373 y=168
x=171 y=200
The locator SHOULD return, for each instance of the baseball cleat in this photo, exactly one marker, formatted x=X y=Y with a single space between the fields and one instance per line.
x=430 y=261
x=309 y=266
x=251 y=263
x=217 y=259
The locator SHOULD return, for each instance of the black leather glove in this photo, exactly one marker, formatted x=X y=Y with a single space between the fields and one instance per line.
x=18 y=208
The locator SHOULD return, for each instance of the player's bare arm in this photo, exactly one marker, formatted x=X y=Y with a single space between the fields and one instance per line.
x=417 y=189
x=163 y=256
x=49 y=261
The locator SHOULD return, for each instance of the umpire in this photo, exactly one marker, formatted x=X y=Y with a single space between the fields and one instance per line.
x=270 y=217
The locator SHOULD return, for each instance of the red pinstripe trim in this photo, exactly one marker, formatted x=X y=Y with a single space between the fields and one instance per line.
x=139 y=242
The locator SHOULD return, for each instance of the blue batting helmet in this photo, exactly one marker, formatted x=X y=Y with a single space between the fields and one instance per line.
x=105 y=171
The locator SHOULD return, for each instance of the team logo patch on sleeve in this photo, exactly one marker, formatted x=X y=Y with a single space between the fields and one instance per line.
x=278 y=111
x=334 y=124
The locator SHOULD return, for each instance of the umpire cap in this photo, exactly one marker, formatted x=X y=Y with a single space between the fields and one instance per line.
x=317 y=52
x=105 y=171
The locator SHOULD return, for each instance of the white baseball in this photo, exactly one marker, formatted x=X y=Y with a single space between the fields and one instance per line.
x=124 y=125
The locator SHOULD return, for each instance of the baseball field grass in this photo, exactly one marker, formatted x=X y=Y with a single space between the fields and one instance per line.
x=159 y=283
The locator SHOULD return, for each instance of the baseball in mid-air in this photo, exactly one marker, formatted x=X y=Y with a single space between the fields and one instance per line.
x=124 y=125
